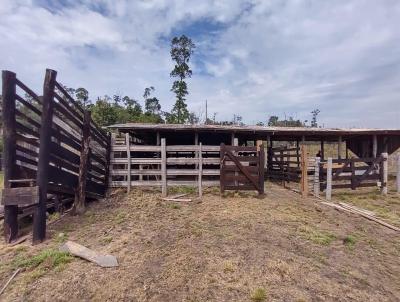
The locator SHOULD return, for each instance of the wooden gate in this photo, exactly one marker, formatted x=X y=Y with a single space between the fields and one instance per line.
x=242 y=168
x=353 y=173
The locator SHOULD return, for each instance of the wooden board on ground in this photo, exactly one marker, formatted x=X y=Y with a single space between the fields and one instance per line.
x=88 y=254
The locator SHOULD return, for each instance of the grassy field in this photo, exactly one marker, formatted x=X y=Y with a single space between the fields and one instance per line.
x=235 y=247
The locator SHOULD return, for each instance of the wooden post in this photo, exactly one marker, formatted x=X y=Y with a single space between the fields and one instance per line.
x=329 y=179
x=236 y=143
x=384 y=188
x=108 y=165
x=398 y=174
x=9 y=151
x=222 y=172
x=163 y=168
x=158 y=138
x=340 y=147
x=200 y=187
x=298 y=153
x=374 y=146
x=261 y=155
x=316 y=177
x=128 y=158
x=322 y=150
x=232 y=139
x=304 y=172
x=42 y=176
x=80 y=194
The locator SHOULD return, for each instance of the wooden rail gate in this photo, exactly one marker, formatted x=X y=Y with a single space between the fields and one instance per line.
x=53 y=153
x=242 y=168
x=353 y=173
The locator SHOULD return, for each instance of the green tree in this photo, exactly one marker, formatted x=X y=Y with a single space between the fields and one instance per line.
x=152 y=107
x=181 y=50
x=82 y=96
x=103 y=111
x=314 y=113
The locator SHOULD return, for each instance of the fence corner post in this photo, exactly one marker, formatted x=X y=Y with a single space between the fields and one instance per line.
x=9 y=151
x=80 y=194
x=329 y=179
x=42 y=176
x=163 y=168
x=107 y=176
x=384 y=188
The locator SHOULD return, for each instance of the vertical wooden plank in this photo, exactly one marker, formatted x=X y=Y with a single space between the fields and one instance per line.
x=236 y=143
x=221 y=168
x=232 y=139
x=9 y=151
x=304 y=172
x=298 y=153
x=128 y=158
x=329 y=179
x=80 y=194
x=200 y=181
x=108 y=165
x=164 y=191
x=340 y=147
x=42 y=176
x=398 y=174
x=374 y=146
x=316 y=177
x=384 y=188
x=261 y=155
x=322 y=150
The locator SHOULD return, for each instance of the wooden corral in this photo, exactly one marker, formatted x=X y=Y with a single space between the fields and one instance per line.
x=53 y=153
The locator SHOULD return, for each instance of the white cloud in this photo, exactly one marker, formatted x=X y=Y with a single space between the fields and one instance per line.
x=259 y=57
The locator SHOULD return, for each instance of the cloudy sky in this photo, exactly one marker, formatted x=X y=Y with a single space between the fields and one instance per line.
x=254 y=58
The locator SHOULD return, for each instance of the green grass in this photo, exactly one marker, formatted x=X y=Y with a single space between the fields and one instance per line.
x=349 y=241
x=174 y=206
x=317 y=236
x=259 y=295
x=50 y=258
x=183 y=190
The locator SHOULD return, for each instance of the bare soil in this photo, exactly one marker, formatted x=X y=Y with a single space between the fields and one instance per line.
x=222 y=248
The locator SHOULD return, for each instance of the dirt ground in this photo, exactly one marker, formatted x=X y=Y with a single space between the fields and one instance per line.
x=235 y=247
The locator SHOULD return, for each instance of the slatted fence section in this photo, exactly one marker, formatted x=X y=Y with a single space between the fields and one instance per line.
x=43 y=150
x=162 y=166
x=283 y=164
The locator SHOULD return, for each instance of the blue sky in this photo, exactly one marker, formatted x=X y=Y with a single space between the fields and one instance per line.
x=254 y=58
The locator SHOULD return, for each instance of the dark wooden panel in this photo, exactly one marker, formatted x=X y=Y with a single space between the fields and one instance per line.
x=20 y=196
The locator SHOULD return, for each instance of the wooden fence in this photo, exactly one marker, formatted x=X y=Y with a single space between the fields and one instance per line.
x=242 y=168
x=283 y=164
x=53 y=151
x=163 y=166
